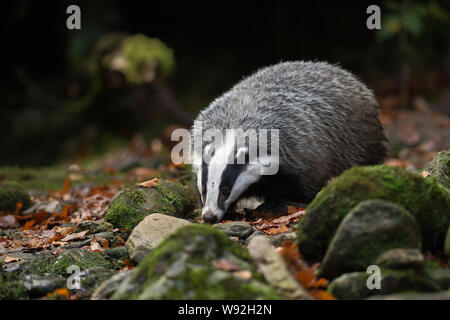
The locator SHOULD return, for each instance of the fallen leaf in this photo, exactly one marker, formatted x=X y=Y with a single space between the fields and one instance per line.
x=425 y=174
x=149 y=183
x=75 y=236
x=19 y=206
x=225 y=264
x=9 y=259
x=243 y=274
x=67 y=186
x=59 y=292
x=321 y=295
x=99 y=244
x=64 y=211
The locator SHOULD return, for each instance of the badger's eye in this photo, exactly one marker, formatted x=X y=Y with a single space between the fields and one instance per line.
x=225 y=190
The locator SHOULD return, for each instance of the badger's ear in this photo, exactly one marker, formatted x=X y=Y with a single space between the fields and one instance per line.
x=241 y=155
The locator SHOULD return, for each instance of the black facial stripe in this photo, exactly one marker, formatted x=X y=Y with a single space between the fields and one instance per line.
x=229 y=176
x=204 y=179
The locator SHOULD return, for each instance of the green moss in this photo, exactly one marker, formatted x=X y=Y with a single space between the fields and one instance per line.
x=427 y=200
x=181 y=268
x=58 y=265
x=135 y=203
x=11 y=288
x=136 y=56
x=439 y=168
x=12 y=192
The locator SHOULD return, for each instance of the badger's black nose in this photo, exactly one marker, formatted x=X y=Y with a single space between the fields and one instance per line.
x=210 y=218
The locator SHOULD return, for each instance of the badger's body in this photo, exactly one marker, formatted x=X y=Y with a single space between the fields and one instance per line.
x=327 y=121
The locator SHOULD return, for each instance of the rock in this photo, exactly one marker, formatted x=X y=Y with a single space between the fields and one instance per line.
x=84 y=259
x=439 y=168
x=47 y=206
x=440 y=295
x=254 y=234
x=447 y=242
x=400 y=258
x=195 y=262
x=12 y=192
x=94 y=227
x=109 y=287
x=25 y=258
x=91 y=279
x=135 y=203
x=426 y=200
x=440 y=276
x=354 y=285
x=117 y=253
x=150 y=232
x=238 y=229
x=278 y=239
x=274 y=269
x=39 y=286
x=371 y=228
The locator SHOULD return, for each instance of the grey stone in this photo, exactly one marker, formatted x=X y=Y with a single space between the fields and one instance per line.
x=238 y=229
x=38 y=285
x=400 y=258
x=274 y=269
x=372 y=227
x=354 y=285
x=150 y=232
x=254 y=234
x=440 y=276
x=47 y=206
x=109 y=287
x=278 y=239
x=439 y=168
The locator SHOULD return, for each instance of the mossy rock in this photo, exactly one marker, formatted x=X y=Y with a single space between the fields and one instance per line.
x=12 y=192
x=351 y=286
x=439 y=168
x=427 y=201
x=369 y=229
x=135 y=203
x=11 y=287
x=181 y=267
x=84 y=259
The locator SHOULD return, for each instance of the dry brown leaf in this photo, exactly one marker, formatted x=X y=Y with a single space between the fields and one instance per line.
x=67 y=186
x=243 y=274
x=225 y=264
x=59 y=292
x=276 y=230
x=149 y=183
x=75 y=236
x=99 y=244
x=9 y=259
x=425 y=174
x=321 y=295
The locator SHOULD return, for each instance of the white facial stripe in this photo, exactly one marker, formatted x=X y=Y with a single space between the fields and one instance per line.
x=216 y=167
x=249 y=176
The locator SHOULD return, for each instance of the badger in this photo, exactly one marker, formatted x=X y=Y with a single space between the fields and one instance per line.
x=325 y=121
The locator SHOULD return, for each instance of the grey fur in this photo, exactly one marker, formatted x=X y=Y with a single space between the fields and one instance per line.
x=328 y=119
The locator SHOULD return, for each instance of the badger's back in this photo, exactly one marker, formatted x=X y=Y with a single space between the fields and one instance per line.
x=328 y=119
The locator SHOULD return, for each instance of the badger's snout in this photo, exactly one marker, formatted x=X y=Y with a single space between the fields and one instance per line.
x=209 y=216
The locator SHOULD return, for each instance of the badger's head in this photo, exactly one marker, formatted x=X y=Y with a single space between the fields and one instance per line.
x=224 y=173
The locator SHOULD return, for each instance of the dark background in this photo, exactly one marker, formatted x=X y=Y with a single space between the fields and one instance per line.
x=215 y=45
